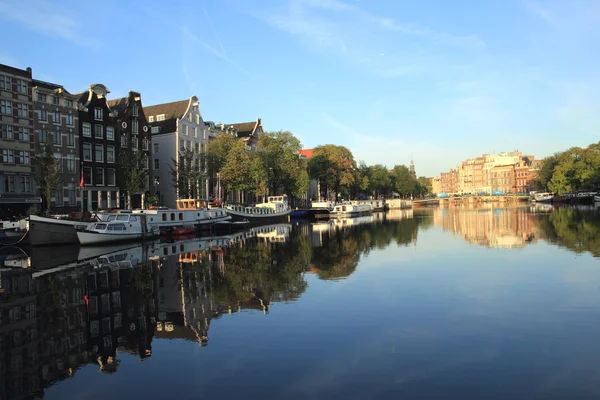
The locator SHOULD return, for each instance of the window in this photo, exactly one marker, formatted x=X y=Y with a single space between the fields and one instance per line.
x=26 y=184
x=9 y=184
x=160 y=117
x=5 y=107
x=41 y=97
x=111 y=177
x=100 y=176
x=134 y=126
x=99 y=152
x=57 y=138
x=151 y=118
x=56 y=117
x=110 y=154
x=24 y=157
x=146 y=166
x=7 y=132
x=5 y=82
x=98 y=131
x=87 y=176
x=58 y=197
x=156 y=164
x=87 y=152
x=71 y=139
x=8 y=156
x=69 y=119
x=195 y=131
x=55 y=100
x=69 y=103
x=123 y=141
x=197 y=147
x=86 y=129
x=21 y=86
x=98 y=114
x=155 y=147
x=134 y=110
x=71 y=168
x=72 y=199
x=58 y=158
x=155 y=129
x=42 y=135
x=22 y=110
x=185 y=130
x=134 y=143
x=42 y=115
x=110 y=133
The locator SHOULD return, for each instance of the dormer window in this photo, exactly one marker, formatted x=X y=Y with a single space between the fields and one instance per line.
x=160 y=117
x=151 y=118
x=98 y=114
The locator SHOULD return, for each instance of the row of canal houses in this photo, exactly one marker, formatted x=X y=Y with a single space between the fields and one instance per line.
x=88 y=132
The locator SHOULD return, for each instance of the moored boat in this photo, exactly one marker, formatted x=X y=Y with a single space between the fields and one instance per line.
x=350 y=210
x=47 y=230
x=275 y=209
x=543 y=197
x=376 y=205
x=119 y=227
x=12 y=232
x=321 y=209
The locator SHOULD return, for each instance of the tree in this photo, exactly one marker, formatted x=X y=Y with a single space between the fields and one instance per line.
x=361 y=179
x=243 y=170
x=333 y=166
x=48 y=174
x=424 y=186
x=403 y=180
x=186 y=174
x=380 y=182
x=546 y=171
x=132 y=171
x=286 y=172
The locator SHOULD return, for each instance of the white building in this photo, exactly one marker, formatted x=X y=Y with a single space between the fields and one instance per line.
x=175 y=127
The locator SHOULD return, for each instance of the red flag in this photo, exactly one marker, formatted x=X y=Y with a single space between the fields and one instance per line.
x=81 y=180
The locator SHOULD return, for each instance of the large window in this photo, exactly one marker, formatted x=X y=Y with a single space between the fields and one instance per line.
x=8 y=156
x=110 y=133
x=5 y=82
x=5 y=107
x=111 y=177
x=7 y=132
x=123 y=141
x=98 y=131
x=26 y=184
x=145 y=144
x=42 y=135
x=9 y=184
x=99 y=152
x=57 y=138
x=23 y=134
x=69 y=118
x=98 y=114
x=134 y=143
x=21 y=86
x=55 y=100
x=86 y=129
x=56 y=117
x=42 y=115
x=87 y=175
x=155 y=129
x=22 y=110
x=71 y=167
x=155 y=147
x=87 y=152
x=41 y=97
x=99 y=176
x=72 y=199
x=58 y=197
x=24 y=157
x=68 y=103
x=134 y=126
x=71 y=139
x=110 y=154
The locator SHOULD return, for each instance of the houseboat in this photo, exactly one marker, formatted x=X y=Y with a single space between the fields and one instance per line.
x=118 y=227
x=189 y=216
x=54 y=230
x=376 y=205
x=321 y=209
x=543 y=197
x=350 y=210
x=275 y=209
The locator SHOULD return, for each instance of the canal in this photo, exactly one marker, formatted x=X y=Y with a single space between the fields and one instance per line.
x=494 y=303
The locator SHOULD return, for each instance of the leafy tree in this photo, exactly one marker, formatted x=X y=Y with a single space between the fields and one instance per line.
x=403 y=180
x=361 y=179
x=424 y=186
x=243 y=171
x=187 y=174
x=546 y=171
x=380 y=182
x=333 y=166
x=132 y=172
x=48 y=175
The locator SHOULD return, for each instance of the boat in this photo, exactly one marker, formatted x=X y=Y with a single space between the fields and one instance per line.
x=299 y=214
x=190 y=215
x=543 y=197
x=118 y=227
x=276 y=208
x=376 y=205
x=12 y=232
x=350 y=210
x=54 y=230
x=321 y=209
x=596 y=199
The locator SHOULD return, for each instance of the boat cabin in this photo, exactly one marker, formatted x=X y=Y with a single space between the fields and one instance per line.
x=277 y=199
x=192 y=204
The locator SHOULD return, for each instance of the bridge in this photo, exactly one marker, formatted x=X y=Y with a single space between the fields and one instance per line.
x=468 y=200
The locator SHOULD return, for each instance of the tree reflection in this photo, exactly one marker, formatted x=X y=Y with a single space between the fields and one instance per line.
x=576 y=229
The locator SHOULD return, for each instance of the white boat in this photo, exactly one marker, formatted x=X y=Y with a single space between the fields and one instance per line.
x=376 y=205
x=321 y=209
x=596 y=199
x=119 y=227
x=190 y=215
x=275 y=209
x=544 y=197
x=350 y=210
x=49 y=230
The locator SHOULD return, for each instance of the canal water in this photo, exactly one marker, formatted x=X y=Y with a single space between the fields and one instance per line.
x=489 y=303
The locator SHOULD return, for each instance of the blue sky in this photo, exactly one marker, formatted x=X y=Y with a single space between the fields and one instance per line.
x=439 y=80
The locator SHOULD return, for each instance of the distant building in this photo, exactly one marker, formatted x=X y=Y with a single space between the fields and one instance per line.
x=175 y=127
x=17 y=175
x=56 y=121
x=436 y=185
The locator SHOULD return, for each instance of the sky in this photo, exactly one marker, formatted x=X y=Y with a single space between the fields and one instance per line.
x=432 y=81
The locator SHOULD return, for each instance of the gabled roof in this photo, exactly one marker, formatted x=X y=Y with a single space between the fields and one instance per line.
x=246 y=129
x=118 y=105
x=172 y=112
x=307 y=153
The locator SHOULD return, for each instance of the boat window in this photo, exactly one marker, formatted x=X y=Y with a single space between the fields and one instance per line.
x=133 y=218
x=116 y=227
x=111 y=218
x=164 y=217
x=100 y=226
x=122 y=218
x=172 y=216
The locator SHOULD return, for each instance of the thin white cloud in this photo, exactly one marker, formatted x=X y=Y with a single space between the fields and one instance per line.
x=48 y=19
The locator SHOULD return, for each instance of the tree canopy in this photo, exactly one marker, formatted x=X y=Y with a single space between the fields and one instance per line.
x=334 y=166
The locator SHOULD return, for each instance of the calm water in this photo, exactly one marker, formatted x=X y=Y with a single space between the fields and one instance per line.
x=430 y=304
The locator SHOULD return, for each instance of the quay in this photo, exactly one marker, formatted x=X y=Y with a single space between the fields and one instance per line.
x=468 y=200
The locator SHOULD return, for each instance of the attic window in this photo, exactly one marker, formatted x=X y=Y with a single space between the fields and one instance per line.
x=151 y=118
x=160 y=117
